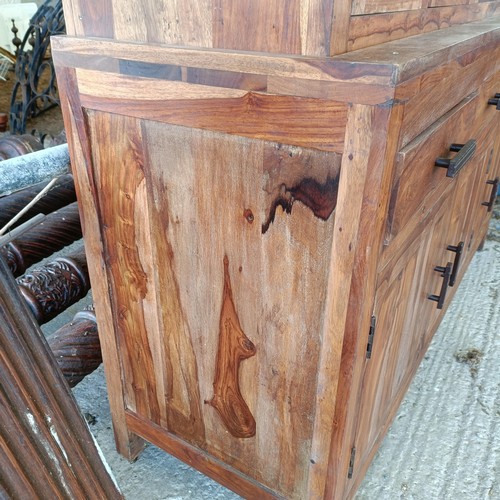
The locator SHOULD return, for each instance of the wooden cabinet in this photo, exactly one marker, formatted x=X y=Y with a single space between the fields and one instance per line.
x=249 y=216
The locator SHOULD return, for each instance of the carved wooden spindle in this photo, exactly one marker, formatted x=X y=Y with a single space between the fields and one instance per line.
x=62 y=194
x=76 y=346
x=18 y=145
x=59 y=229
x=47 y=449
x=52 y=288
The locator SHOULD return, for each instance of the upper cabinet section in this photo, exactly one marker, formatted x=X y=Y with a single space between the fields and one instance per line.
x=301 y=27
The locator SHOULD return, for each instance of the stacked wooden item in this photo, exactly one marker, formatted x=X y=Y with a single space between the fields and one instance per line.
x=38 y=219
x=279 y=201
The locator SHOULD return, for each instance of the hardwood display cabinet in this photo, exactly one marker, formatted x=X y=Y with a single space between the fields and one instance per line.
x=275 y=222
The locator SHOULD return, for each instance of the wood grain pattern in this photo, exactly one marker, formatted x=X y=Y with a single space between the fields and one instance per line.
x=378 y=6
x=210 y=466
x=357 y=293
x=370 y=30
x=234 y=347
x=89 y=18
x=433 y=90
x=401 y=305
x=227 y=220
x=169 y=21
x=249 y=114
x=287 y=76
x=248 y=63
x=128 y=444
x=419 y=187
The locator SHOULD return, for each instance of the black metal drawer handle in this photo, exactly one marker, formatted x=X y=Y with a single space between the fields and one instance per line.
x=495 y=101
x=445 y=273
x=458 y=249
x=464 y=153
x=494 y=191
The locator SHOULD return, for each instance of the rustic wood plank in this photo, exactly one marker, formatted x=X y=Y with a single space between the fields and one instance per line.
x=354 y=165
x=212 y=467
x=275 y=26
x=316 y=27
x=237 y=112
x=239 y=62
x=85 y=185
x=413 y=56
x=432 y=90
x=368 y=30
x=73 y=24
x=360 y=7
x=297 y=27
x=171 y=22
x=339 y=34
x=86 y=18
x=132 y=291
x=342 y=84
x=362 y=255
x=401 y=305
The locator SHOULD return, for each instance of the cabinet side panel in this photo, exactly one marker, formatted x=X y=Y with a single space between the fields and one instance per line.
x=118 y=166
x=81 y=161
x=216 y=247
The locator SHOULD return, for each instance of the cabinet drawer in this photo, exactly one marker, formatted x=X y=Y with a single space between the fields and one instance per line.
x=419 y=183
x=488 y=107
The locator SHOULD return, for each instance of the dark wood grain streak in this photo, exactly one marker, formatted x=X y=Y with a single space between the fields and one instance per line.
x=122 y=166
x=78 y=142
x=234 y=347
x=320 y=198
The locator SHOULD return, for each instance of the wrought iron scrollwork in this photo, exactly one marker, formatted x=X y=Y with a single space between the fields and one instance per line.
x=35 y=88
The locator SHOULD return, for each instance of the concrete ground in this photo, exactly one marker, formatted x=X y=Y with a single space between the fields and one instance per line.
x=445 y=440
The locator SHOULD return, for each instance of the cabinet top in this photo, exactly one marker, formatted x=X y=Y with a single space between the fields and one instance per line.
x=367 y=76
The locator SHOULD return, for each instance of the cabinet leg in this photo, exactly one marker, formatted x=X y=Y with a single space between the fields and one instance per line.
x=481 y=245
x=128 y=444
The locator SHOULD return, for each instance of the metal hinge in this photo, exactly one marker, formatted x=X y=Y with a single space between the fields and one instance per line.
x=371 y=334
x=351 y=463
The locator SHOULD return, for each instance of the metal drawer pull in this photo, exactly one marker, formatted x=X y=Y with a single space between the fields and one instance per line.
x=464 y=153
x=458 y=249
x=495 y=101
x=493 y=195
x=445 y=273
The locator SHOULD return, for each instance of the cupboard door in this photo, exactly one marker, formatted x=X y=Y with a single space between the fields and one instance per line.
x=405 y=319
x=469 y=213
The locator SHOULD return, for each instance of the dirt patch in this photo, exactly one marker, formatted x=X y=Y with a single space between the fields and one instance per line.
x=471 y=357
